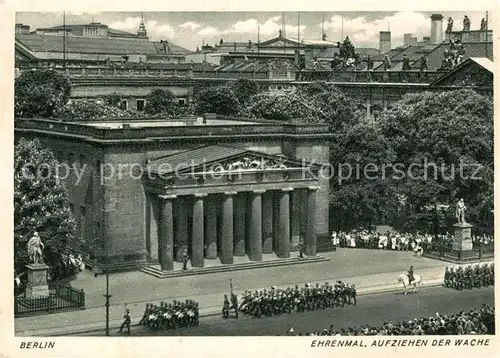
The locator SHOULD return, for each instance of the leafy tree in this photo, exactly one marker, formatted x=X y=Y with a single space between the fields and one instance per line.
x=291 y=106
x=244 y=89
x=360 y=195
x=448 y=135
x=220 y=100
x=340 y=111
x=39 y=93
x=40 y=204
x=113 y=100
x=161 y=101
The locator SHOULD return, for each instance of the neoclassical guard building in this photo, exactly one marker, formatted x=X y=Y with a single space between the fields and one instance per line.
x=218 y=187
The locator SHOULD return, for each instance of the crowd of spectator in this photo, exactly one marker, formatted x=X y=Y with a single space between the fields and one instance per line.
x=402 y=241
x=479 y=321
x=308 y=298
x=170 y=316
x=472 y=276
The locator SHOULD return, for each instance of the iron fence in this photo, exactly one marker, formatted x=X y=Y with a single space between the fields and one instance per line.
x=60 y=298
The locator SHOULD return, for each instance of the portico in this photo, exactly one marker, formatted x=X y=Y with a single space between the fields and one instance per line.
x=222 y=202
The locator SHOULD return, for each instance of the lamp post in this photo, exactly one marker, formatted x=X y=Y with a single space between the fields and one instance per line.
x=98 y=271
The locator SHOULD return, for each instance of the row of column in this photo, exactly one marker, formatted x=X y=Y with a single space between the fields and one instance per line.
x=204 y=244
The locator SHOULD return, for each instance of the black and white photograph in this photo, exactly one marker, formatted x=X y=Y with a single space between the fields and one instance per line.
x=326 y=175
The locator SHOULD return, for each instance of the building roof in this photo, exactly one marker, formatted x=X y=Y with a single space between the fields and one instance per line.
x=78 y=30
x=482 y=62
x=193 y=158
x=93 y=45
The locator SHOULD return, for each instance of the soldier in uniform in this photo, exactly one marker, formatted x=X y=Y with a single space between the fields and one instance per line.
x=225 y=307
x=126 y=322
x=145 y=316
x=234 y=304
x=411 y=278
x=185 y=259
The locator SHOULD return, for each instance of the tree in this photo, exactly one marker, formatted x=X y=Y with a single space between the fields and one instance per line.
x=161 y=101
x=287 y=107
x=41 y=204
x=244 y=89
x=360 y=194
x=39 y=93
x=220 y=100
x=340 y=111
x=113 y=100
x=88 y=110
x=446 y=136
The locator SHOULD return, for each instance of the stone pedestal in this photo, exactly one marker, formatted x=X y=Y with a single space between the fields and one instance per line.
x=463 y=238
x=37 y=281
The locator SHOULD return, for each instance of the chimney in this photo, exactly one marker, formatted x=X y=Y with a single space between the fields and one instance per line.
x=22 y=29
x=406 y=39
x=385 y=41
x=436 y=29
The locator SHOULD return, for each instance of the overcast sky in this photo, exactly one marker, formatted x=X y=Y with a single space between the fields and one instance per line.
x=191 y=29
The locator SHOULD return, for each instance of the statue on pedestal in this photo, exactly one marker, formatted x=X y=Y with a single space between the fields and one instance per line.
x=460 y=211
x=35 y=246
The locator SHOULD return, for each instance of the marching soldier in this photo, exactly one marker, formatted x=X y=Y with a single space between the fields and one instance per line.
x=126 y=321
x=234 y=304
x=225 y=308
x=145 y=316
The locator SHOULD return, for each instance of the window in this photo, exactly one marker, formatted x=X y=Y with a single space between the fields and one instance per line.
x=71 y=159
x=140 y=105
x=81 y=160
x=72 y=208
x=124 y=105
x=181 y=101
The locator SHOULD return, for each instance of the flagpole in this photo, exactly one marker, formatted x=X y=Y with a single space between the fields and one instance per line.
x=64 y=40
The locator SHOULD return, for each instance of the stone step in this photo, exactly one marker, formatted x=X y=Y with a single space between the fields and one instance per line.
x=156 y=272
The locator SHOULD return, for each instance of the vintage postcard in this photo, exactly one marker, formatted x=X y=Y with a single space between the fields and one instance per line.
x=248 y=179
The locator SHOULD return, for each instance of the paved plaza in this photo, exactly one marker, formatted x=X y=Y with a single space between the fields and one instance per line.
x=373 y=310
x=368 y=269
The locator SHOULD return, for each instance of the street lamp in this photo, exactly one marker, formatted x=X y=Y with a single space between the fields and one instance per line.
x=97 y=271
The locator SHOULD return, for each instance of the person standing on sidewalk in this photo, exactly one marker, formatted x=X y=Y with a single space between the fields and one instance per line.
x=301 y=249
x=185 y=258
x=126 y=321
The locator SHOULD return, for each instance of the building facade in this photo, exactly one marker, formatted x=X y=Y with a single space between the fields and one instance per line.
x=217 y=187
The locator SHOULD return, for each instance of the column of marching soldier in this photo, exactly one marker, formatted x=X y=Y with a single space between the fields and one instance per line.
x=469 y=277
x=170 y=316
x=277 y=301
x=259 y=303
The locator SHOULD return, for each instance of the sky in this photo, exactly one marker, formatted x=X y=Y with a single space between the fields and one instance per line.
x=192 y=29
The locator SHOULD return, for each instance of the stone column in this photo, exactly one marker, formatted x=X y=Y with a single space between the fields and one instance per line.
x=180 y=229
x=295 y=199
x=310 y=241
x=166 y=235
x=211 y=228
x=227 y=247
x=256 y=225
x=198 y=231
x=239 y=224
x=284 y=224
x=267 y=223
x=147 y=217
